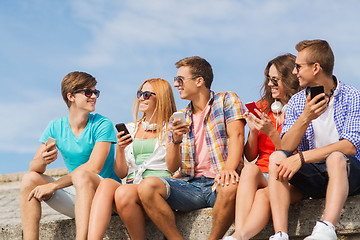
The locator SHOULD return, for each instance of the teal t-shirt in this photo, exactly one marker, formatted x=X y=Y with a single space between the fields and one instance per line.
x=77 y=150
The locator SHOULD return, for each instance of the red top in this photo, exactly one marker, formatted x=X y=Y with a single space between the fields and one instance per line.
x=266 y=147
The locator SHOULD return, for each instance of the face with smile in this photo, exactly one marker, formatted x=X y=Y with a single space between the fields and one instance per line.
x=147 y=106
x=188 y=87
x=84 y=102
x=274 y=79
x=304 y=70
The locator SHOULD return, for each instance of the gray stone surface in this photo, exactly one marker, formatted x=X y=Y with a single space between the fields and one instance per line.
x=193 y=225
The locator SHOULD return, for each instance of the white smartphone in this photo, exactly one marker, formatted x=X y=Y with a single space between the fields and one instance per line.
x=179 y=115
x=51 y=140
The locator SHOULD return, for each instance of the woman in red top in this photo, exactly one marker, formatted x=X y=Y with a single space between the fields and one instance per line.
x=252 y=204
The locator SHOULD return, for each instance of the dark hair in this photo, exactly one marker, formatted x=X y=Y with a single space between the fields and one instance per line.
x=198 y=67
x=75 y=81
x=284 y=64
x=318 y=51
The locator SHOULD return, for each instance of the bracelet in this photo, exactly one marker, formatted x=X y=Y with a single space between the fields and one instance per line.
x=176 y=143
x=302 y=159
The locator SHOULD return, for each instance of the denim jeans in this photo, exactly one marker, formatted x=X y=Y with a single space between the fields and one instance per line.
x=189 y=195
x=312 y=178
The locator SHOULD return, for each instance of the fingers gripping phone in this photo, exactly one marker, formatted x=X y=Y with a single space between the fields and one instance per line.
x=251 y=107
x=181 y=116
x=316 y=91
x=51 y=140
x=120 y=127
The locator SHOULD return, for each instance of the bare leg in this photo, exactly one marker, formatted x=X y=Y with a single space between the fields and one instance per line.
x=223 y=211
x=85 y=183
x=338 y=187
x=279 y=205
x=31 y=210
x=152 y=192
x=252 y=204
x=130 y=210
x=101 y=208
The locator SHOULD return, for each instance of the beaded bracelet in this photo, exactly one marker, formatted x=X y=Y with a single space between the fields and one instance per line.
x=302 y=159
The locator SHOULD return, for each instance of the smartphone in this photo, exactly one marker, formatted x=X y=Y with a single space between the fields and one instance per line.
x=120 y=127
x=315 y=91
x=179 y=115
x=51 y=140
x=251 y=106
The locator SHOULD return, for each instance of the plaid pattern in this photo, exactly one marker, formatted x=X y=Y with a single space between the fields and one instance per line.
x=346 y=116
x=222 y=109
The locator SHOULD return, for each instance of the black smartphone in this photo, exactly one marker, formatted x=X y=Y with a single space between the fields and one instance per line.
x=120 y=127
x=316 y=91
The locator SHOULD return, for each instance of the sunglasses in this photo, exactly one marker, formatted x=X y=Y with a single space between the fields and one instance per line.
x=88 y=92
x=146 y=95
x=274 y=81
x=180 y=80
x=298 y=66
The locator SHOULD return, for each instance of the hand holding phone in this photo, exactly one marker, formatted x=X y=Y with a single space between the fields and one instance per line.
x=49 y=141
x=181 y=116
x=121 y=127
x=251 y=107
x=316 y=91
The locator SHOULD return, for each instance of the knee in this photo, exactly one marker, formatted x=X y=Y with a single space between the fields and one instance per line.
x=148 y=187
x=227 y=192
x=82 y=178
x=124 y=197
x=274 y=158
x=263 y=194
x=250 y=171
x=31 y=179
x=336 y=161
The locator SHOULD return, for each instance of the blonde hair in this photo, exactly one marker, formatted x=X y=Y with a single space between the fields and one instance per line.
x=165 y=104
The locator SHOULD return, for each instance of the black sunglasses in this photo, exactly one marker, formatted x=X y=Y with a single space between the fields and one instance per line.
x=88 y=92
x=180 y=80
x=274 y=81
x=146 y=94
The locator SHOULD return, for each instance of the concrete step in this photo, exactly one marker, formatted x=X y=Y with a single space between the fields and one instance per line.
x=193 y=225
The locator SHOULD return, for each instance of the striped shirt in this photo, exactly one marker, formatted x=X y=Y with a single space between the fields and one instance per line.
x=346 y=117
x=225 y=107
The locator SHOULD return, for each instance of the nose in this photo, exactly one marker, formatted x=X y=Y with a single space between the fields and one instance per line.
x=295 y=71
x=176 y=84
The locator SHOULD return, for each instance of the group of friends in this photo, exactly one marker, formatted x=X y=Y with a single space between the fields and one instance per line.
x=303 y=146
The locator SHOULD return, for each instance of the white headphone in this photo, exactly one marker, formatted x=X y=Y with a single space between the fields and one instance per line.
x=148 y=127
x=277 y=107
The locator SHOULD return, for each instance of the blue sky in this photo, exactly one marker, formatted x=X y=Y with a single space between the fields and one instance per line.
x=122 y=43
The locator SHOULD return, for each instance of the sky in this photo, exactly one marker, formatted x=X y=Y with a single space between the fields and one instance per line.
x=123 y=43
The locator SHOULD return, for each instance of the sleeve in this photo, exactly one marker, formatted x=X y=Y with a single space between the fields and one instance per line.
x=169 y=131
x=291 y=114
x=351 y=127
x=233 y=107
x=105 y=131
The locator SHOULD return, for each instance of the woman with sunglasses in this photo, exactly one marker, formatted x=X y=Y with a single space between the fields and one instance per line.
x=139 y=154
x=252 y=203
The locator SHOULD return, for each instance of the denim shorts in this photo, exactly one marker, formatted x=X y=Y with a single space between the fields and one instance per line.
x=312 y=178
x=189 y=195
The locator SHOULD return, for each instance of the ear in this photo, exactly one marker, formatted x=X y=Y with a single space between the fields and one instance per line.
x=70 y=97
x=200 y=81
x=316 y=68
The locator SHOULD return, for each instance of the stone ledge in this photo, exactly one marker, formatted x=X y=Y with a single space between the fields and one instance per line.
x=16 y=177
x=197 y=224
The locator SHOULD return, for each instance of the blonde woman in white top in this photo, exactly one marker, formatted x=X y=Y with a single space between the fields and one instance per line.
x=137 y=157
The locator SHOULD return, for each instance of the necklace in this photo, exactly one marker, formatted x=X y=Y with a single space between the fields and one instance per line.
x=147 y=126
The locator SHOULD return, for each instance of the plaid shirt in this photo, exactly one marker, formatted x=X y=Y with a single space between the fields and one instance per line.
x=346 y=116
x=224 y=108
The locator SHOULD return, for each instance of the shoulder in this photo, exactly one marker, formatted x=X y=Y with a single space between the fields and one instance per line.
x=99 y=119
x=348 y=90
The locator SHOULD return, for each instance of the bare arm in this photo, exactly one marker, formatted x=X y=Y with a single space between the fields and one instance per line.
x=43 y=158
x=173 y=156
x=120 y=166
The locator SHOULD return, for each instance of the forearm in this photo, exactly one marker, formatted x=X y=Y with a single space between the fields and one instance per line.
x=120 y=166
x=173 y=157
x=319 y=154
x=275 y=138
x=235 y=152
x=37 y=165
x=63 y=182
x=251 y=148
x=291 y=139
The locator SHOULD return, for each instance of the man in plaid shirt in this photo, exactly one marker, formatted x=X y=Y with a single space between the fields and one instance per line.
x=208 y=148
x=324 y=129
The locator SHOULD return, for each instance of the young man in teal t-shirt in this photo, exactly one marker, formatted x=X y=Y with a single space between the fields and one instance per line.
x=85 y=141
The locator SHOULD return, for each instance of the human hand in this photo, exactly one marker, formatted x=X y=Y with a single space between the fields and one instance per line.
x=313 y=109
x=42 y=192
x=123 y=140
x=225 y=177
x=288 y=167
x=49 y=155
x=179 y=129
x=250 y=118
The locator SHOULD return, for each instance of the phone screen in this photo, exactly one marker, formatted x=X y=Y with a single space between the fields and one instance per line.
x=316 y=91
x=120 y=127
x=251 y=106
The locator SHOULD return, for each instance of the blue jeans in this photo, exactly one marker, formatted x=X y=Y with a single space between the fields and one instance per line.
x=189 y=195
x=312 y=178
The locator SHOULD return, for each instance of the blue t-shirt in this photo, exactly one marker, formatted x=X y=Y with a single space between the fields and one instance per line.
x=77 y=150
